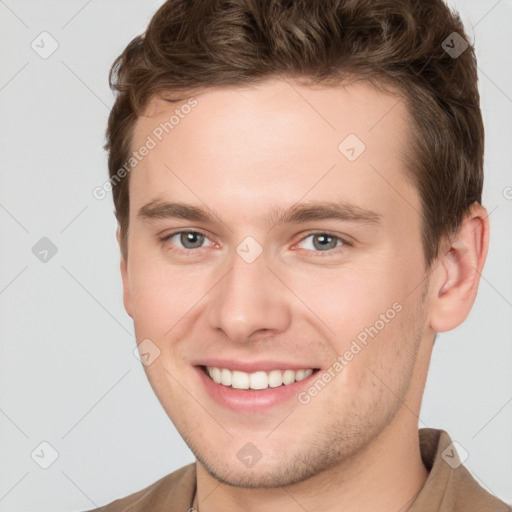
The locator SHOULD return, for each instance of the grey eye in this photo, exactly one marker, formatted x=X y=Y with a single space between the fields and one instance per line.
x=321 y=242
x=191 y=239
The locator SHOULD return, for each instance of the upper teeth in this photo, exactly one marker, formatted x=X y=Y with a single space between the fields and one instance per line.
x=256 y=380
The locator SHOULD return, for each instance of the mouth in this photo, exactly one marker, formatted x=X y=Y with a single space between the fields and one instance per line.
x=257 y=381
x=258 y=390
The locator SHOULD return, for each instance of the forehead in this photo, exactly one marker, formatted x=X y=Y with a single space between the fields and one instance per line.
x=275 y=140
x=269 y=108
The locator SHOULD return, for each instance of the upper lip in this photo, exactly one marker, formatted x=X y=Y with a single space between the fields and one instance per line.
x=253 y=366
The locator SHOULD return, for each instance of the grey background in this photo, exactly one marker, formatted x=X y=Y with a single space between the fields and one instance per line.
x=67 y=372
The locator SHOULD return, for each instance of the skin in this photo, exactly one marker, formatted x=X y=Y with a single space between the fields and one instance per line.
x=241 y=152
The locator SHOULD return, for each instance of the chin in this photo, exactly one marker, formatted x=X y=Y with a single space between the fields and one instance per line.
x=267 y=476
x=281 y=469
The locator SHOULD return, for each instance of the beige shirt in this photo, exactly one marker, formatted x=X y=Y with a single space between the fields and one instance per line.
x=449 y=486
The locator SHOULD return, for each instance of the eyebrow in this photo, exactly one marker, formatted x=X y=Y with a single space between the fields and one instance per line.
x=298 y=213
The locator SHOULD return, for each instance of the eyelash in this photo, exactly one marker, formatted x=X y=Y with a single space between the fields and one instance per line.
x=189 y=252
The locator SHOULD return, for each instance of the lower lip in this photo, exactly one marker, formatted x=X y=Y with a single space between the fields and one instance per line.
x=249 y=400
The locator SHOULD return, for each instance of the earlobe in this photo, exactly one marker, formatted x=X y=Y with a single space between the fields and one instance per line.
x=455 y=280
x=124 y=276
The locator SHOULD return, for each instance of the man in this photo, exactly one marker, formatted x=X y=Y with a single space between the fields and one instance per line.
x=298 y=191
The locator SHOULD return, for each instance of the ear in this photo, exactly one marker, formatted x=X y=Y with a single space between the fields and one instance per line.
x=455 y=280
x=127 y=301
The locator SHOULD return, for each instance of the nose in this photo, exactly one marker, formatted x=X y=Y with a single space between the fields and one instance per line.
x=249 y=301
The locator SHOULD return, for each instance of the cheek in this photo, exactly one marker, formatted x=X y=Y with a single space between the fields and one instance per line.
x=388 y=352
x=153 y=298
x=345 y=302
x=368 y=320
x=161 y=293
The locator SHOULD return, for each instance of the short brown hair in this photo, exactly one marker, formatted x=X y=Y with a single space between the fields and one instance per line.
x=195 y=44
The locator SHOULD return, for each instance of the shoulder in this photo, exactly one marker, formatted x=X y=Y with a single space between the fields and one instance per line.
x=450 y=486
x=471 y=496
x=172 y=492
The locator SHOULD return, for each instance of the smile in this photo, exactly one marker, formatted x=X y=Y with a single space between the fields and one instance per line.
x=257 y=380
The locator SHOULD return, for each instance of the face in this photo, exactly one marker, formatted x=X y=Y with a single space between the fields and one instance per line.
x=274 y=243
